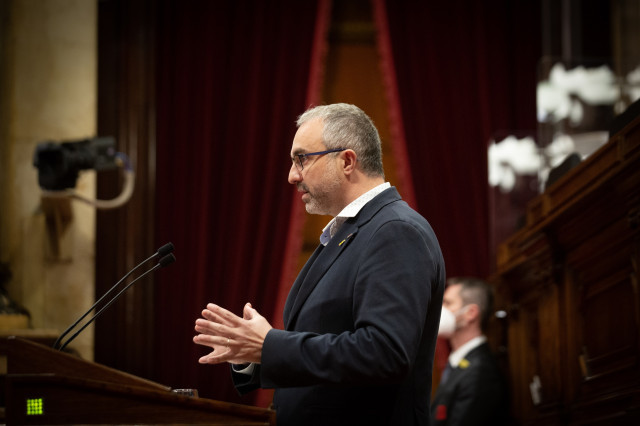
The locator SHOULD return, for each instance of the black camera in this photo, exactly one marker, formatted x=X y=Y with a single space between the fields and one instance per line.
x=58 y=164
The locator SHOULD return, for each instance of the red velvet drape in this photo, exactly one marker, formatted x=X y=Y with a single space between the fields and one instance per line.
x=232 y=77
x=457 y=73
x=465 y=71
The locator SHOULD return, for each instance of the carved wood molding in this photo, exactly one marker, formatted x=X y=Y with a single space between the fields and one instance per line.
x=570 y=279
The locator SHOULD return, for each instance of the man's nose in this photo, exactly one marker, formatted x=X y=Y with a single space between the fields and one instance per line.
x=294 y=175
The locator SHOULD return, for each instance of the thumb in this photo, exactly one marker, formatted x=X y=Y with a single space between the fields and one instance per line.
x=248 y=311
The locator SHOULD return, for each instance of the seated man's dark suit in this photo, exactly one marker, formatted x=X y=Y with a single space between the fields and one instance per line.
x=474 y=392
x=361 y=322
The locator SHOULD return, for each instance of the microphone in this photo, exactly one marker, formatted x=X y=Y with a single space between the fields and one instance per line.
x=161 y=252
x=165 y=261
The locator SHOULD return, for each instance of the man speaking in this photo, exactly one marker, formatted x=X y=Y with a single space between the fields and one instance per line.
x=361 y=319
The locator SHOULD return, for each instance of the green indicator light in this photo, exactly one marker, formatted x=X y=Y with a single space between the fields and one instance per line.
x=35 y=406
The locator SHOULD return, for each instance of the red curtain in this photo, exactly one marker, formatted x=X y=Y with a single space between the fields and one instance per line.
x=463 y=71
x=457 y=73
x=232 y=77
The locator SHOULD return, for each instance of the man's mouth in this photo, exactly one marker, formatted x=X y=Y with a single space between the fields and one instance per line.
x=304 y=193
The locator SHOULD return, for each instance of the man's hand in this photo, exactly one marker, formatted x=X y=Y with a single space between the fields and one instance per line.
x=233 y=339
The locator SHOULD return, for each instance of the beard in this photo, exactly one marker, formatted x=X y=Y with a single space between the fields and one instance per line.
x=322 y=197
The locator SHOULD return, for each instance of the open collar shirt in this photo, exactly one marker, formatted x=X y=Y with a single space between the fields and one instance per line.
x=458 y=355
x=351 y=210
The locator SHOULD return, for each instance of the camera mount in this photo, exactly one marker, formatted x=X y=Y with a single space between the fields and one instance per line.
x=59 y=165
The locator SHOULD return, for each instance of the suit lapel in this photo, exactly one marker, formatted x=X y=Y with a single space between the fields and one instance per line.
x=305 y=284
x=295 y=288
x=322 y=259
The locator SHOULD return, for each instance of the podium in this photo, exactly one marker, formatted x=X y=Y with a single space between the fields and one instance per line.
x=45 y=386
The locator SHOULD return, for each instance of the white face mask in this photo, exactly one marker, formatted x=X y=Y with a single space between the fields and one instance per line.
x=448 y=323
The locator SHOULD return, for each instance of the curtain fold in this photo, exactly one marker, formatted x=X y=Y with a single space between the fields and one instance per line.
x=456 y=74
x=313 y=97
x=293 y=245
x=390 y=82
x=465 y=70
x=232 y=77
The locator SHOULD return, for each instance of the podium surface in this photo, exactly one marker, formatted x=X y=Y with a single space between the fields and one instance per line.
x=45 y=386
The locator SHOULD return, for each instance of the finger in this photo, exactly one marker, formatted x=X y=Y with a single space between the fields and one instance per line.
x=228 y=317
x=204 y=340
x=220 y=356
x=213 y=358
x=221 y=352
x=213 y=329
x=200 y=340
x=215 y=342
x=215 y=317
x=204 y=326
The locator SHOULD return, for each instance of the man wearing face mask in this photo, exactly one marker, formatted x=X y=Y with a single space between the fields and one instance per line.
x=472 y=390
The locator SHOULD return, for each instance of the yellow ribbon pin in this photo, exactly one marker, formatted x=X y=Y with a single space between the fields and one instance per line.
x=342 y=242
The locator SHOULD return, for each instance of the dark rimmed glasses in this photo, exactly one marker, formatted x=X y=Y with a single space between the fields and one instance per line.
x=299 y=160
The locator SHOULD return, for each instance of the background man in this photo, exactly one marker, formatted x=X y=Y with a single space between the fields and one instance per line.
x=361 y=319
x=472 y=390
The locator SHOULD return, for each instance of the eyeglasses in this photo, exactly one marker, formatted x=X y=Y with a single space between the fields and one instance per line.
x=299 y=160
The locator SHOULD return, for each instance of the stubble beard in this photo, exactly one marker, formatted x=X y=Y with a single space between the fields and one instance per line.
x=321 y=200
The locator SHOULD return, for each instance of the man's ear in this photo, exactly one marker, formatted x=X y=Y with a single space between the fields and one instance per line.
x=473 y=312
x=349 y=159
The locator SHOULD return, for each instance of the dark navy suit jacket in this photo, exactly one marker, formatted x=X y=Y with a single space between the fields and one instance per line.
x=361 y=322
x=475 y=393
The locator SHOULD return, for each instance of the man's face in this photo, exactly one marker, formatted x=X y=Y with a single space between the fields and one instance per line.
x=451 y=299
x=320 y=181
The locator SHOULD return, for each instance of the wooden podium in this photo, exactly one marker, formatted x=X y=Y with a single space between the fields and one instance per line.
x=45 y=386
x=570 y=283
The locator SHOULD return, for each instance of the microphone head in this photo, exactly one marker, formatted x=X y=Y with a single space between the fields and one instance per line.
x=165 y=249
x=167 y=260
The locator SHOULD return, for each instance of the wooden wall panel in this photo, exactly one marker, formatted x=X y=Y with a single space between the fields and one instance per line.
x=569 y=281
x=125 y=236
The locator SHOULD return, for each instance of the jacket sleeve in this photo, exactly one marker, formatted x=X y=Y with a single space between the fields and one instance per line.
x=246 y=382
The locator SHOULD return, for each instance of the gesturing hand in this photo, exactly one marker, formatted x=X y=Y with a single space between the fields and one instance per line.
x=233 y=339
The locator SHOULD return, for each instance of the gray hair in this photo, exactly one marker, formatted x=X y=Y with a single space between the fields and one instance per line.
x=347 y=126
